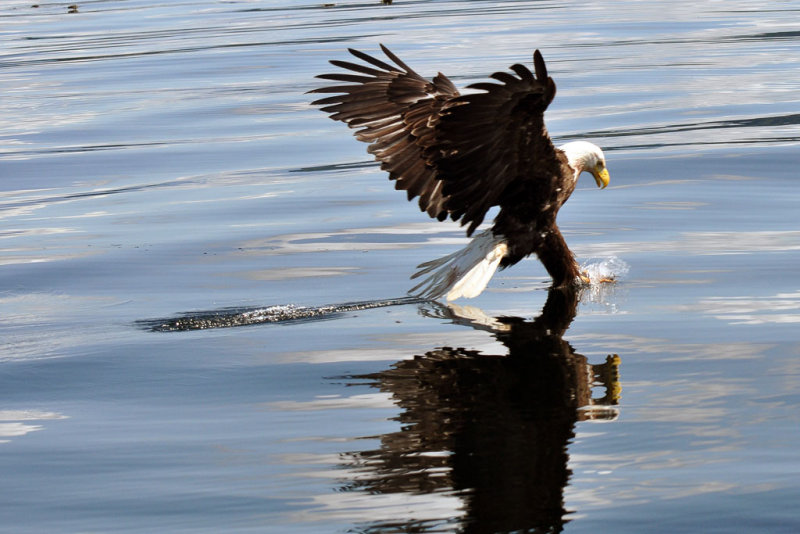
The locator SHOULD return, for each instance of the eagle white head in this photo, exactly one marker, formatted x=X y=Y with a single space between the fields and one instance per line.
x=586 y=156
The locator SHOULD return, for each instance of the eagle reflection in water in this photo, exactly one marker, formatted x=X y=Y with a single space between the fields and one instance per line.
x=492 y=429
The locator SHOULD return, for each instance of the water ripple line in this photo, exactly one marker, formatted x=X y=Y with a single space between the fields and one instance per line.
x=282 y=313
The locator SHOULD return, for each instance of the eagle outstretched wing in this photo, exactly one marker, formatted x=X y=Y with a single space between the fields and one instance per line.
x=461 y=154
x=396 y=110
x=491 y=145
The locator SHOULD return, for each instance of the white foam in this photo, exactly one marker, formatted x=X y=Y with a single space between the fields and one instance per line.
x=604 y=269
x=599 y=297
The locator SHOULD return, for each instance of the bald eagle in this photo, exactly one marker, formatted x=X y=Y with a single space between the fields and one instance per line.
x=464 y=154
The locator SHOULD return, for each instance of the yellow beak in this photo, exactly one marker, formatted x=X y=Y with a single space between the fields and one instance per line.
x=601 y=177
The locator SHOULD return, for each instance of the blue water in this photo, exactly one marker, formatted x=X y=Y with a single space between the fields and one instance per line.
x=162 y=161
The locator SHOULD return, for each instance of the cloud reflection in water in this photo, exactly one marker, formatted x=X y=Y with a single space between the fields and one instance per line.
x=782 y=308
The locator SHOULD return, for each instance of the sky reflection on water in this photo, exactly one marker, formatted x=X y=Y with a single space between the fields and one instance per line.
x=159 y=159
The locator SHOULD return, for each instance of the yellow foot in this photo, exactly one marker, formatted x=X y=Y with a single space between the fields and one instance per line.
x=584 y=276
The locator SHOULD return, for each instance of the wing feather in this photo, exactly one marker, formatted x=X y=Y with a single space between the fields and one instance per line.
x=395 y=110
x=505 y=77
x=523 y=72
x=460 y=154
x=349 y=65
x=396 y=59
x=375 y=61
x=493 y=142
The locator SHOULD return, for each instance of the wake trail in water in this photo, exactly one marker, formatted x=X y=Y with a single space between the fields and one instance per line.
x=283 y=313
x=597 y=270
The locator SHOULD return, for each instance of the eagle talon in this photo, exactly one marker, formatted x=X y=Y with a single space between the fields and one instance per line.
x=586 y=279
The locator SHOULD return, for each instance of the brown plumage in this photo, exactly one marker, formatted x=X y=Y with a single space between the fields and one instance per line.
x=463 y=154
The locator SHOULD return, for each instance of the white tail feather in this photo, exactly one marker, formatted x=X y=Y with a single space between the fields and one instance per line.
x=464 y=273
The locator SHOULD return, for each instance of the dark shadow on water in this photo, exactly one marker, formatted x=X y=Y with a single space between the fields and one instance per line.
x=492 y=429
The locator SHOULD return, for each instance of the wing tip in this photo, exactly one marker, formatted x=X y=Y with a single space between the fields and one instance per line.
x=391 y=55
x=539 y=65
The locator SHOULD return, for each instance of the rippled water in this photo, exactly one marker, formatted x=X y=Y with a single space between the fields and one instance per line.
x=161 y=162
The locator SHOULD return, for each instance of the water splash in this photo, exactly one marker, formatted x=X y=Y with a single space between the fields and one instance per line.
x=599 y=296
x=284 y=313
x=605 y=269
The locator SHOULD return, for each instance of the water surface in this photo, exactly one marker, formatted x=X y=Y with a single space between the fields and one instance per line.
x=162 y=161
